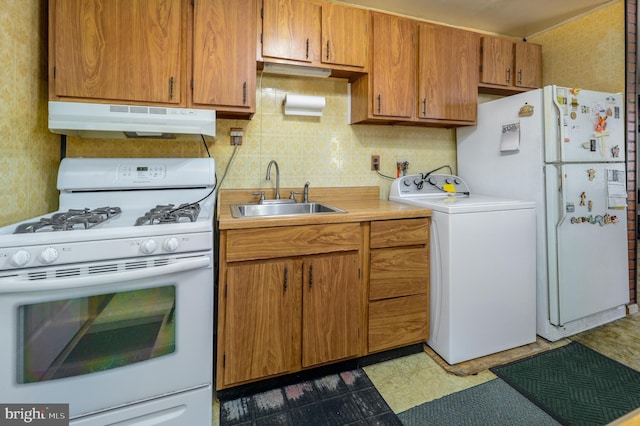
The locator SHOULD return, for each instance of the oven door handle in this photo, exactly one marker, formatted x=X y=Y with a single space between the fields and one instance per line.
x=16 y=285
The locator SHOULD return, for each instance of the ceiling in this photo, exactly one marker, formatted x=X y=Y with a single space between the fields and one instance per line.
x=515 y=18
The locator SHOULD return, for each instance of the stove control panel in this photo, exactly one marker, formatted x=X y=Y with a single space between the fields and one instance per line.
x=428 y=184
x=136 y=248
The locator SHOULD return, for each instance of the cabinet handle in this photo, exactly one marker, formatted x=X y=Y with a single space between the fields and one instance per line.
x=424 y=107
x=508 y=75
x=307 y=53
x=519 y=76
x=328 y=50
x=244 y=93
x=170 y=88
x=311 y=276
x=379 y=103
x=286 y=278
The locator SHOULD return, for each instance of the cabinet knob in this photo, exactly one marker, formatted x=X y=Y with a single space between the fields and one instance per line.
x=328 y=50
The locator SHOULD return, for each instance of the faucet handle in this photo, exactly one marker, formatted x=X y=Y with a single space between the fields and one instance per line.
x=261 y=194
x=292 y=195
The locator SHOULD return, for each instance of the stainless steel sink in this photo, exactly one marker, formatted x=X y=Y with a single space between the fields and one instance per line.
x=284 y=209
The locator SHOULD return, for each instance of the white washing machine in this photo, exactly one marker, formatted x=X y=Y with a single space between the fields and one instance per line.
x=483 y=267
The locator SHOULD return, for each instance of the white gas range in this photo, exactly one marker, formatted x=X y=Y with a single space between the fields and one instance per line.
x=108 y=302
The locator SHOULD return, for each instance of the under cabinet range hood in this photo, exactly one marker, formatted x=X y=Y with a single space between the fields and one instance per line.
x=91 y=120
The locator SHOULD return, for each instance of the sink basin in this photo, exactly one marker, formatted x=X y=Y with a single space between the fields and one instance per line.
x=288 y=209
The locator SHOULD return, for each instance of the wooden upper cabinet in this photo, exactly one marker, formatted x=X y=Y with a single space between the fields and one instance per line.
x=315 y=33
x=224 y=51
x=118 y=50
x=497 y=61
x=345 y=35
x=290 y=30
x=393 y=66
x=514 y=66
x=528 y=65
x=447 y=73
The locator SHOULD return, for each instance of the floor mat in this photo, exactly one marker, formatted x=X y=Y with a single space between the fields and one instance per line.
x=491 y=403
x=337 y=399
x=575 y=384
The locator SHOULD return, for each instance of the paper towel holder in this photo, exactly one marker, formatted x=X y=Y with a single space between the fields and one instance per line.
x=305 y=105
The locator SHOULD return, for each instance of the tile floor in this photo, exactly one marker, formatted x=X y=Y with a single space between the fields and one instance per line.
x=412 y=380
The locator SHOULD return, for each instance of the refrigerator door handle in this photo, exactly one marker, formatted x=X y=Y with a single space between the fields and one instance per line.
x=563 y=198
x=561 y=112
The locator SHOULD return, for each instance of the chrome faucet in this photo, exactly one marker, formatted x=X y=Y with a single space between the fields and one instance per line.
x=305 y=195
x=272 y=162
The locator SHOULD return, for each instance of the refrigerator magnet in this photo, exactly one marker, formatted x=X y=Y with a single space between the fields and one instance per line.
x=526 y=110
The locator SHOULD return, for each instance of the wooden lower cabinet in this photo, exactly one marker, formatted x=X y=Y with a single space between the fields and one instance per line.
x=398 y=322
x=330 y=314
x=281 y=315
x=398 y=284
x=262 y=322
x=292 y=298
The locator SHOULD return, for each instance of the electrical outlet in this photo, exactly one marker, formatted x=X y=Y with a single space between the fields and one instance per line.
x=375 y=162
x=236 y=135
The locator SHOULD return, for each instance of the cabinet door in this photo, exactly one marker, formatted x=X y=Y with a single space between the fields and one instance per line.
x=262 y=322
x=447 y=73
x=127 y=50
x=330 y=321
x=497 y=61
x=290 y=30
x=393 y=65
x=528 y=65
x=345 y=35
x=224 y=52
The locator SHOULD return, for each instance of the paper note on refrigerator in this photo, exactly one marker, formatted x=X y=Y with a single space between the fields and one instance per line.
x=616 y=189
x=510 y=140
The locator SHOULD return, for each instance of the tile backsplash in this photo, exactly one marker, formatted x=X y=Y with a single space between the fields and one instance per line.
x=325 y=151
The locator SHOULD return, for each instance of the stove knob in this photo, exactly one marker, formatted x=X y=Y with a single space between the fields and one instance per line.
x=48 y=255
x=20 y=258
x=148 y=246
x=171 y=244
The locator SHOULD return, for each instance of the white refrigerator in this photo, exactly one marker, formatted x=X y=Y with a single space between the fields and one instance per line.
x=563 y=148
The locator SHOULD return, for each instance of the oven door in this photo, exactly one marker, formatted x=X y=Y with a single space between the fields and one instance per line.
x=105 y=335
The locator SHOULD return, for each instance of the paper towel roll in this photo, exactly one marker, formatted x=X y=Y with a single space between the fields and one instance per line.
x=304 y=105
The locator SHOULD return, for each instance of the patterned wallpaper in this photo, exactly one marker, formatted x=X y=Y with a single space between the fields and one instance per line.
x=325 y=151
x=587 y=52
x=30 y=153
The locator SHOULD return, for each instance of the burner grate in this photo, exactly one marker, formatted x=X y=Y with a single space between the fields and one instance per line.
x=168 y=213
x=73 y=219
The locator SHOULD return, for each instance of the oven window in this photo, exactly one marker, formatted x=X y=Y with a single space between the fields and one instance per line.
x=85 y=335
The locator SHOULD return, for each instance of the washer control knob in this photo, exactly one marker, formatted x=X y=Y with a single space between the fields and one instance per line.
x=447 y=180
x=457 y=181
x=20 y=258
x=148 y=246
x=171 y=244
x=432 y=180
x=48 y=255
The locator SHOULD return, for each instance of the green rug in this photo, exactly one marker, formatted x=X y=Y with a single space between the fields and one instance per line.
x=575 y=385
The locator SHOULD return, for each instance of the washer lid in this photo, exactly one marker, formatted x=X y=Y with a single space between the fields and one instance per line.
x=465 y=204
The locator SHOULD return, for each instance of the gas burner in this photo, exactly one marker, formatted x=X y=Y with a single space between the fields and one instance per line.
x=73 y=219
x=162 y=214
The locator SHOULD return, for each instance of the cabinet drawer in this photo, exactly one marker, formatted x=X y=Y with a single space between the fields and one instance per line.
x=398 y=322
x=405 y=232
x=398 y=272
x=264 y=243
